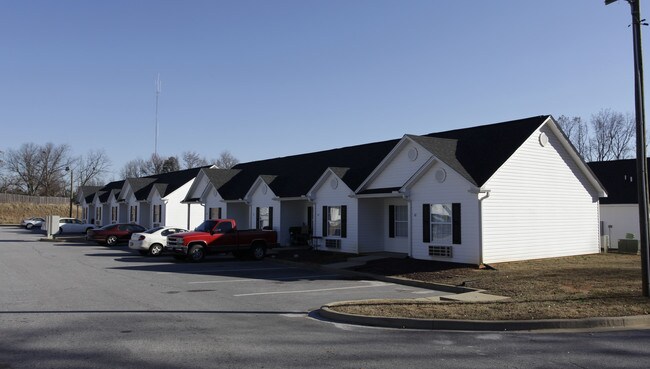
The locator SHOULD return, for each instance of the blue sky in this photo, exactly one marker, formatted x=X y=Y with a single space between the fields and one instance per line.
x=274 y=78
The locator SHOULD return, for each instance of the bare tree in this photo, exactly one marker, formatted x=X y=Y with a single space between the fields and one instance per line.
x=38 y=170
x=624 y=138
x=226 y=160
x=133 y=169
x=92 y=167
x=609 y=135
x=577 y=132
x=612 y=135
x=193 y=160
x=170 y=165
x=154 y=165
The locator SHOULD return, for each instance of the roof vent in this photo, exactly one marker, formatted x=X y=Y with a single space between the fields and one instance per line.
x=543 y=139
x=441 y=175
x=413 y=153
x=334 y=183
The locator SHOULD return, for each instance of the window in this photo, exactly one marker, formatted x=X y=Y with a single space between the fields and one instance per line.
x=157 y=213
x=335 y=221
x=133 y=216
x=98 y=214
x=264 y=217
x=114 y=214
x=441 y=223
x=398 y=221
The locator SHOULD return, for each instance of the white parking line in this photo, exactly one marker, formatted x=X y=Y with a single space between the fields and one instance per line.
x=370 y=284
x=270 y=279
x=224 y=270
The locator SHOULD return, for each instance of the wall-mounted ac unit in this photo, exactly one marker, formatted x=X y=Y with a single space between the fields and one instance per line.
x=441 y=251
x=333 y=243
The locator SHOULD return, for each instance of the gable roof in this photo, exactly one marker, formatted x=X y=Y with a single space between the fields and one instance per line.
x=88 y=193
x=111 y=188
x=480 y=151
x=295 y=175
x=164 y=183
x=619 y=179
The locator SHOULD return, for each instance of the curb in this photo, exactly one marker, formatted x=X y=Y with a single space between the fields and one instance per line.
x=635 y=321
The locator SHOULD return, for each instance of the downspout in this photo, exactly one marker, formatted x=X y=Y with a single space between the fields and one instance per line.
x=188 y=216
x=480 y=224
x=405 y=196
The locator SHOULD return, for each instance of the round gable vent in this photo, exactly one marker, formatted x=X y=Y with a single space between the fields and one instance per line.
x=543 y=139
x=334 y=183
x=441 y=175
x=413 y=153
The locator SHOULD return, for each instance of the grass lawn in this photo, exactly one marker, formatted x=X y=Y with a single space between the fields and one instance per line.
x=569 y=287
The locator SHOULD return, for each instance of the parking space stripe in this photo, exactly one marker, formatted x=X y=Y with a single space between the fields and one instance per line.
x=370 y=284
x=271 y=278
x=224 y=270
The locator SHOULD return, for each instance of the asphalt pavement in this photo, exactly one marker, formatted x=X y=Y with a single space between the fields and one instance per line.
x=80 y=305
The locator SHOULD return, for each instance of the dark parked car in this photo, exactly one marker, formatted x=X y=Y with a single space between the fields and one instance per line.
x=113 y=233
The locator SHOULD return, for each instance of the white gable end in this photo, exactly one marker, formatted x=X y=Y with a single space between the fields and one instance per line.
x=540 y=205
x=401 y=167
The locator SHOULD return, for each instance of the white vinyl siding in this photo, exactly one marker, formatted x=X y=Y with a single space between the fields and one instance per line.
x=262 y=197
x=327 y=195
x=401 y=167
x=540 y=205
x=454 y=189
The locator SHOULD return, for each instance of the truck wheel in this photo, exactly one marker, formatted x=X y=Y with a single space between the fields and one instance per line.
x=156 y=249
x=196 y=253
x=258 y=251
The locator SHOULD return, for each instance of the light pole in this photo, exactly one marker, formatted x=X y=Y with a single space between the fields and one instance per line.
x=71 y=171
x=641 y=161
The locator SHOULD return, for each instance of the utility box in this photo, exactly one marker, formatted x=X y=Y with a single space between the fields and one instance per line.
x=628 y=246
x=51 y=225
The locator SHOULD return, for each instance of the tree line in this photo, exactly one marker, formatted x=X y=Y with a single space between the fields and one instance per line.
x=46 y=170
x=608 y=135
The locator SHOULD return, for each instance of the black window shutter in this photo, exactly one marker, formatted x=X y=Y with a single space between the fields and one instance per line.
x=257 y=217
x=271 y=217
x=324 y=221
x=344 y=221
x=391 y=221
x=426 y=223
x=455 y=221
x=219 y=213
x=310 y=219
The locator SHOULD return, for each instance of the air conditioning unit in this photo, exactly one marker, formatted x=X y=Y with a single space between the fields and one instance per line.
x=441 y=251
x=333 y=243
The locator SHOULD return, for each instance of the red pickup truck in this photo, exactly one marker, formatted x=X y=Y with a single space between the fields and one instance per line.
x=220 y=236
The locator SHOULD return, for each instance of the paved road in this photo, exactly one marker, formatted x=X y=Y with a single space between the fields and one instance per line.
x=77 y=305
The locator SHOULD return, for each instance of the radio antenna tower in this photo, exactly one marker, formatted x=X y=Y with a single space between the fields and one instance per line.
x=158 y=85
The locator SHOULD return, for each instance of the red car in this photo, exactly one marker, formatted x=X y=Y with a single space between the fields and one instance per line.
x=113 y=233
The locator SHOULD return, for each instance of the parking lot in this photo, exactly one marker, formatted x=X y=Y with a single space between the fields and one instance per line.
x=84 y=276
x=80 y=305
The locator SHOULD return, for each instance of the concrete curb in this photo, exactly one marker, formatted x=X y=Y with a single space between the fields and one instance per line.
x=635 y=321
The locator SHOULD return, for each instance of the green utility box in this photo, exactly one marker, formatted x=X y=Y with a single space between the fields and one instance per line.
x=628 y=246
